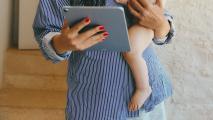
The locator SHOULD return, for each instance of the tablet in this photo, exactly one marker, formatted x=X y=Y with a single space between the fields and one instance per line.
x=112 y=18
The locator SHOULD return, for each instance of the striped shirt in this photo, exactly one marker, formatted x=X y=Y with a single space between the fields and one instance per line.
x=100 y=83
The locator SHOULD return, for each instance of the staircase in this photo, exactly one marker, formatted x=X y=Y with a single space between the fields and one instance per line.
x=33 y=88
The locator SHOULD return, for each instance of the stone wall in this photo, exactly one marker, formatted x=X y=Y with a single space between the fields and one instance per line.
x=189 y=60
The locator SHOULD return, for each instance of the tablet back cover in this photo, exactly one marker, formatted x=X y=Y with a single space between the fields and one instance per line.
x=112 y=18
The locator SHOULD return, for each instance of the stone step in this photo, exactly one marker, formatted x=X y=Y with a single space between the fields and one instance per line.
x=25 y=104
x=7 y=113
x=27 y=98
x=41 y=82
x=29 y=69
x=31 y=62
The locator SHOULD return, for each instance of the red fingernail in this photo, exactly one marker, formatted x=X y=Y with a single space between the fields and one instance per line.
x=87 y=20
x=101 y=27
x=106 y=34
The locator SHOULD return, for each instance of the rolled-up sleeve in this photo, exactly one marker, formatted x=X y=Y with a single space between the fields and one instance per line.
x=47 y=23
x=171 y=33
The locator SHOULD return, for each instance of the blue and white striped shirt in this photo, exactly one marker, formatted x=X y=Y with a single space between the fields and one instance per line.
x=100 y=83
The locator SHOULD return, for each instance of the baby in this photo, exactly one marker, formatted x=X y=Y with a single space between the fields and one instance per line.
x=137 y=63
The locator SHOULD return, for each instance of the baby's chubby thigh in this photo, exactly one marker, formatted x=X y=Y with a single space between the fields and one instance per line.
x=140 y=37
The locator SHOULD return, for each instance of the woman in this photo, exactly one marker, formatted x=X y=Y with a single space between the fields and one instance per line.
x=100 y=83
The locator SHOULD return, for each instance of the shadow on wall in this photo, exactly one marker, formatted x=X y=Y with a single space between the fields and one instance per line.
x=15 y=21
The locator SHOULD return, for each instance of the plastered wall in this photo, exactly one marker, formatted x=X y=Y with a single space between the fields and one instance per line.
x=5 y=31
x=189 y=60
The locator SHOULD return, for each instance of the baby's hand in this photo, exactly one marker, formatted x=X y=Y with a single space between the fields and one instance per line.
x=124 y=2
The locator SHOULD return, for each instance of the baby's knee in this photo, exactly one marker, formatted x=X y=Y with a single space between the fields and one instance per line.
x=132 y=54
x=142 y=30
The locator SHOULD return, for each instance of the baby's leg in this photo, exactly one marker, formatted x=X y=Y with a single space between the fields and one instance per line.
x=140 y=38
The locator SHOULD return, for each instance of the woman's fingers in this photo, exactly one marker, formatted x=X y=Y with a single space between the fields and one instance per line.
x=77 y=27
x=65 y=25
x=137 y=6
x=82 y=41
x=144 y=3
x=91 y=32
x=95 y=39
x=159 y=3
x=133 y=11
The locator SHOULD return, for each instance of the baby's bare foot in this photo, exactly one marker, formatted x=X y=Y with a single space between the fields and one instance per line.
x=122 y=1
x=138 y=98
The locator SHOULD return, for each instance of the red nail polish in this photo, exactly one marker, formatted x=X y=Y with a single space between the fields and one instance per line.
x=106 y=34
x=87 y=20
x=101 y=27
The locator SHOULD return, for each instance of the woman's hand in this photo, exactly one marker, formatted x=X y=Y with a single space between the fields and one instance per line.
x=71 y=39
x=150 y=16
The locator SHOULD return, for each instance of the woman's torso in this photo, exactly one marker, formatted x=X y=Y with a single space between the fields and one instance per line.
x=100 y=83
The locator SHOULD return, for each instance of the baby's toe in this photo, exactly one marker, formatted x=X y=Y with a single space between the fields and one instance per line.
x=135 y=107
x=130 y=106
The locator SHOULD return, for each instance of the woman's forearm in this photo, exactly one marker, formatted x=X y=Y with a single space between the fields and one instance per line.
x=163 y=30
